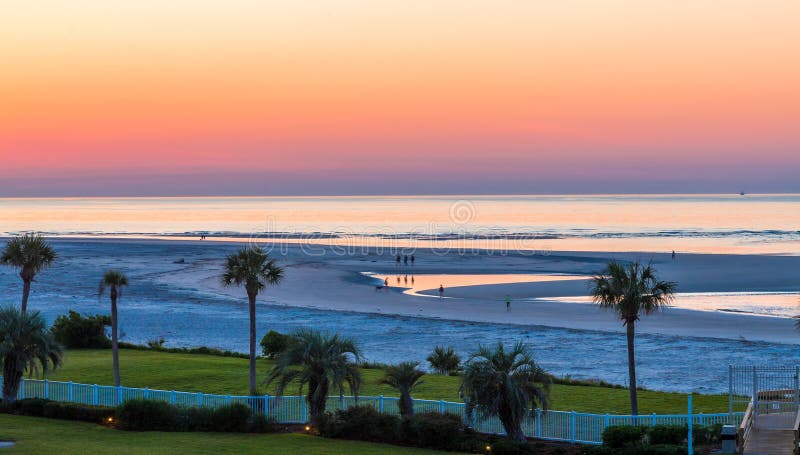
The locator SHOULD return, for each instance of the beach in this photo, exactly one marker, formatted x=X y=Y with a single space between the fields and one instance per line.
x=175 y=293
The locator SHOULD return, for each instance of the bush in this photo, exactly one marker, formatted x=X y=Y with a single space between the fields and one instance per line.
x=363 y=423
x=635 y=450
x=444 y=360
x=434 y=430
x=275 y=343
x=79 y=332
x=707 y=435
x=30 y=406
x=506 y=447
x=76 y=411
x=234 y=418
x=147 y=415
x=260 y=423
x=667 y=434
x=624 y=435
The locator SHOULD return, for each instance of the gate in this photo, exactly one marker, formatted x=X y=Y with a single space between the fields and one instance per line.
x=774 y=392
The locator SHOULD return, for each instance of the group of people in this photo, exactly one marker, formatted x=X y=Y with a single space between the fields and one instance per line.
x=404 y=260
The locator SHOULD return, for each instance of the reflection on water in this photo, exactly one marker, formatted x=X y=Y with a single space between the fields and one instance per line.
x=784 y=304
x=413 y=284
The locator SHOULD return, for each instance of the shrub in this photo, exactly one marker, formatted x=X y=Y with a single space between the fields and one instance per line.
x=79 y=332
x=667 y=434
x=233 y=418
x=147 y=415
x=434 y=430
x=30 y=407
x=707 y=435
x=260 y=423
x=507 y=447
x=275 y=343
x=76 y=411
x=363 y=423
x=635 y=450
x=624 y=435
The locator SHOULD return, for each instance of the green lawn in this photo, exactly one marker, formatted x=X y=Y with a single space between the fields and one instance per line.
x=228 y=375
x=37 y=436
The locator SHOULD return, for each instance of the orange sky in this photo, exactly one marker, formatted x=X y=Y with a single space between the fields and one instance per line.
x=580 y=94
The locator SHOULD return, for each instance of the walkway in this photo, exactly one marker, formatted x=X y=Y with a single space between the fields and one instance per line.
x=772 y=436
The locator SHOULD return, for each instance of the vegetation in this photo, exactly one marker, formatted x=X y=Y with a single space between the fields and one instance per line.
x=25 y=346
x=114 y=281
x=444 y=360
x=30 y=253
x=631 y=291
x=168 y=370
x=81 y=332
x=274 y=343
x=506 y=384
x=150 y=415
x=318 y=362
x=37 y=436
x=252 y=268
x=38 y=407
x=404 y=377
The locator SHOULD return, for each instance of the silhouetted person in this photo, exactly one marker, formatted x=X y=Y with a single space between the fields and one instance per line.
x=441 y=291
x=405 y=279
x=673 y=255
x=412 y=260
x=405 y=260
x=397 y=261
x=508 y=302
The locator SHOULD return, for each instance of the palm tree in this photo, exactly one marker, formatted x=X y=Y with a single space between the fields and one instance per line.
x=631 y=291
x=444 y=360
x=25 y=346
x=505 y=384
x=404 y=377
x=114 y=281
x=252 y=267
x=30 y=253
x=320 y=362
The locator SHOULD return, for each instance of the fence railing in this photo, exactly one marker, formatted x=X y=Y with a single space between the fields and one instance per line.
x=567 y=426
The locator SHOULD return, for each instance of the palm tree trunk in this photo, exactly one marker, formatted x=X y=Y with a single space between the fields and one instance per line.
x=114 y=338
x=317 y=399
x=252 y=298
x=513 y=429
x=631 y=326
x=406 y=405
x=11 y=382
x=26 y=291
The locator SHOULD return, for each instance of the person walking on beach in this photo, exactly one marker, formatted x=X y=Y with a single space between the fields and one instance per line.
x=405 y=260
x=441 y=291
x=405 y=279
x=673 y=255
x=508 y=302
x=397 y=261
x=412 y=260
x=386 y=282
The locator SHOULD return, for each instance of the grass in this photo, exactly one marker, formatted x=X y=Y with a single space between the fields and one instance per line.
x=229 y=375
x=36 y=436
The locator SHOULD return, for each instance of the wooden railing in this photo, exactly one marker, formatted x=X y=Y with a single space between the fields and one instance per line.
x=796 y=429
x=745 y=428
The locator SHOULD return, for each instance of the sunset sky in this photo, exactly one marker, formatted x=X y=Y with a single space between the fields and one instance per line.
x=200 y=97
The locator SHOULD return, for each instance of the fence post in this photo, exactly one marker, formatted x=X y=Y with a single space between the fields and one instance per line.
x=229 y=399
x=572 y=427
x=69 y=391
x=199 y=399
x=147 y=392
x=380 y=403
x=94 y=395
x=21 y=388
x=755 y=394
x=441 y=406
x=538 y=422
x=119 y=395
x=171 y=397
x=305 y=411
x=266 y=405
x=46 y=389
x=796 y=389
x=653 y=420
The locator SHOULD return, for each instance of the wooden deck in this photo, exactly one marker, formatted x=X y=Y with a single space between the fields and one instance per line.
x=771 y=436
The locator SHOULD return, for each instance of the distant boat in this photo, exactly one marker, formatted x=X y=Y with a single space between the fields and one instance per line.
x=741 y=193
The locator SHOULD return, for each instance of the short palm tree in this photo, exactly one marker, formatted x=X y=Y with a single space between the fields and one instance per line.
x=252 y=268
x=30 y=253
x=114 y=281
x=506 y=384
x=444 y=360
x=631 y=291
x=404 y=377
x=26 y=346
x=319 y=362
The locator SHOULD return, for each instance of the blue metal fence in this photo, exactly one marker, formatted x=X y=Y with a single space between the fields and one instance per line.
x=568 y=426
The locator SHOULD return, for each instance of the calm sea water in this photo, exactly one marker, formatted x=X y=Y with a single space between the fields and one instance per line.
x=685 y=223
